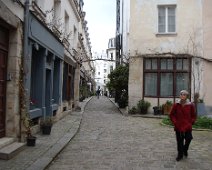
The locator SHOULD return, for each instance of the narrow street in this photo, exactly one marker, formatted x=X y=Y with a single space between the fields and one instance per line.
x=109 y=140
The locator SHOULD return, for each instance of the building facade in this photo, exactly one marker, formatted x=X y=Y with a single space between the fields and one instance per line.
x=43 y=49
x=104 y=64
x=168 y=45
x=101 y=70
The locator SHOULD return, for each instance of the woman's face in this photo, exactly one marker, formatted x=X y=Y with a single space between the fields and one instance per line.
x=183 y=96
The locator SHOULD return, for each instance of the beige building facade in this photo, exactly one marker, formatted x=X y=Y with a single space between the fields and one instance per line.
x=169 y=46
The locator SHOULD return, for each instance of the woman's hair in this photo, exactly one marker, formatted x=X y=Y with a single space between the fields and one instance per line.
x=184 y=92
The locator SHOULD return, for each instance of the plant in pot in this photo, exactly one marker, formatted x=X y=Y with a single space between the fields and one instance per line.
x=157 y=110
x=24 y=104
x=123 y=101
x=30 y=139
x=143 y=106
x=167 y=107
x=200 y=105
x=46 y=125
x=133 y=110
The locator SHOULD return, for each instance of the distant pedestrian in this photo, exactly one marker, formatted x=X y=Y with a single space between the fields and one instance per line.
x=98 y=93
x=183 y=116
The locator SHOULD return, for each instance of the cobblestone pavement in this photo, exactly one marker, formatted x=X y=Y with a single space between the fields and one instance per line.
x=108 y=140
x=47 y=146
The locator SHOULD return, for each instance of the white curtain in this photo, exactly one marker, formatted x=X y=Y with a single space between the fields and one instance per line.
x=166 y=84
x=150 y=84
x=182 y=82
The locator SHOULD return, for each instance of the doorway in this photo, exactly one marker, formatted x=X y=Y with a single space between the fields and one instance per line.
x=4 y=35
x=48 y=93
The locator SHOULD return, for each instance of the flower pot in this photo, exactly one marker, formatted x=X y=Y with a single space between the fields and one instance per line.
x=157 y=110
x=201 y=109
x=31 y=141
x=46 y=129
x=167 y=109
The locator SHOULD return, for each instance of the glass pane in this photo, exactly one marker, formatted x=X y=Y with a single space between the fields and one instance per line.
x=163 y=64
x=171 y=19
x=179 y=64
x=154 y=64
x=150 y=84
x=161 y=28
x=148 y=64
x=182 y=82
x=161 y=19
x=185 y=64
x=166 y=84
x=170 y=64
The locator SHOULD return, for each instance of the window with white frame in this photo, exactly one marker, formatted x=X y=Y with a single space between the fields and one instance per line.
x=167 y=19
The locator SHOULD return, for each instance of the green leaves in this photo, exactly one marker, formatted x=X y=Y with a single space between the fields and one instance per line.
x=118 y=79
x=201 y=122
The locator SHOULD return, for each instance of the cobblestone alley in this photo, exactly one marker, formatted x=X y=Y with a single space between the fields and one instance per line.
x=108 y=140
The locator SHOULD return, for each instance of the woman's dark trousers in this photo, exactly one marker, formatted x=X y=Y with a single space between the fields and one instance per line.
x=183 y=142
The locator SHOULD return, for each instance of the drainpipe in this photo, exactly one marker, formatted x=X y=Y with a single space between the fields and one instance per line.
x=25 y=59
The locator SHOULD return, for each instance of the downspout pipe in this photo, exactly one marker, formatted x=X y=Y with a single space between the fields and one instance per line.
x=25 y=60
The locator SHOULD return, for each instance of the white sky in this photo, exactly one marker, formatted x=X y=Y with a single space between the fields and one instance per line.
x=101 y=17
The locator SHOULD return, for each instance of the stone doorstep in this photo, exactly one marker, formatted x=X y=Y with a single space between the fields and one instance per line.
x=6 y=141
x=11 y=150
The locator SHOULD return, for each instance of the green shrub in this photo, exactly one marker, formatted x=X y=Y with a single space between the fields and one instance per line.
x=123 y=100
x=202 y=122
x=133 y=110
x=143 y=106
x=167 y=121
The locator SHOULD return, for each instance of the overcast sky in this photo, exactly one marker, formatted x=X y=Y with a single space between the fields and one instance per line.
x=101 y=17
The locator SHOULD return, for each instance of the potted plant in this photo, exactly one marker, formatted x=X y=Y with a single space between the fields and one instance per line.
x=143 y=106
x=30 y=139
x=24 y=104
x=167 y=107
x=157 y=110
x=46 y=125
x=200 y=105
x=123 y=101
x=133 y=110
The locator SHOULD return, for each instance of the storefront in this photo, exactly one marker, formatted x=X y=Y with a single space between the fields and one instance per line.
x=45 y=70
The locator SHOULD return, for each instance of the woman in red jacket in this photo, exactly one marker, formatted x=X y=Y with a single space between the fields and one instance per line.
x=183 y=116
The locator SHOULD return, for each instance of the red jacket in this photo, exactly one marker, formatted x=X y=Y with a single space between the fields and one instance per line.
x=183 y=117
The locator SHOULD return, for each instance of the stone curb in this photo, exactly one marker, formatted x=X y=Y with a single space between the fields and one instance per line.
x=49 y=156
x=123 y=112
x=149 y=116
x=120 y=110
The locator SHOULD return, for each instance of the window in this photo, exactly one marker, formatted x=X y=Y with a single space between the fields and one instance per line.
x=98 y=73
x=111 y=68
x=57 y=12
x=68 y=82
x=66 y=23
x=167 y=19
x=111 y=56
x=105 y=70
x=166 y=77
